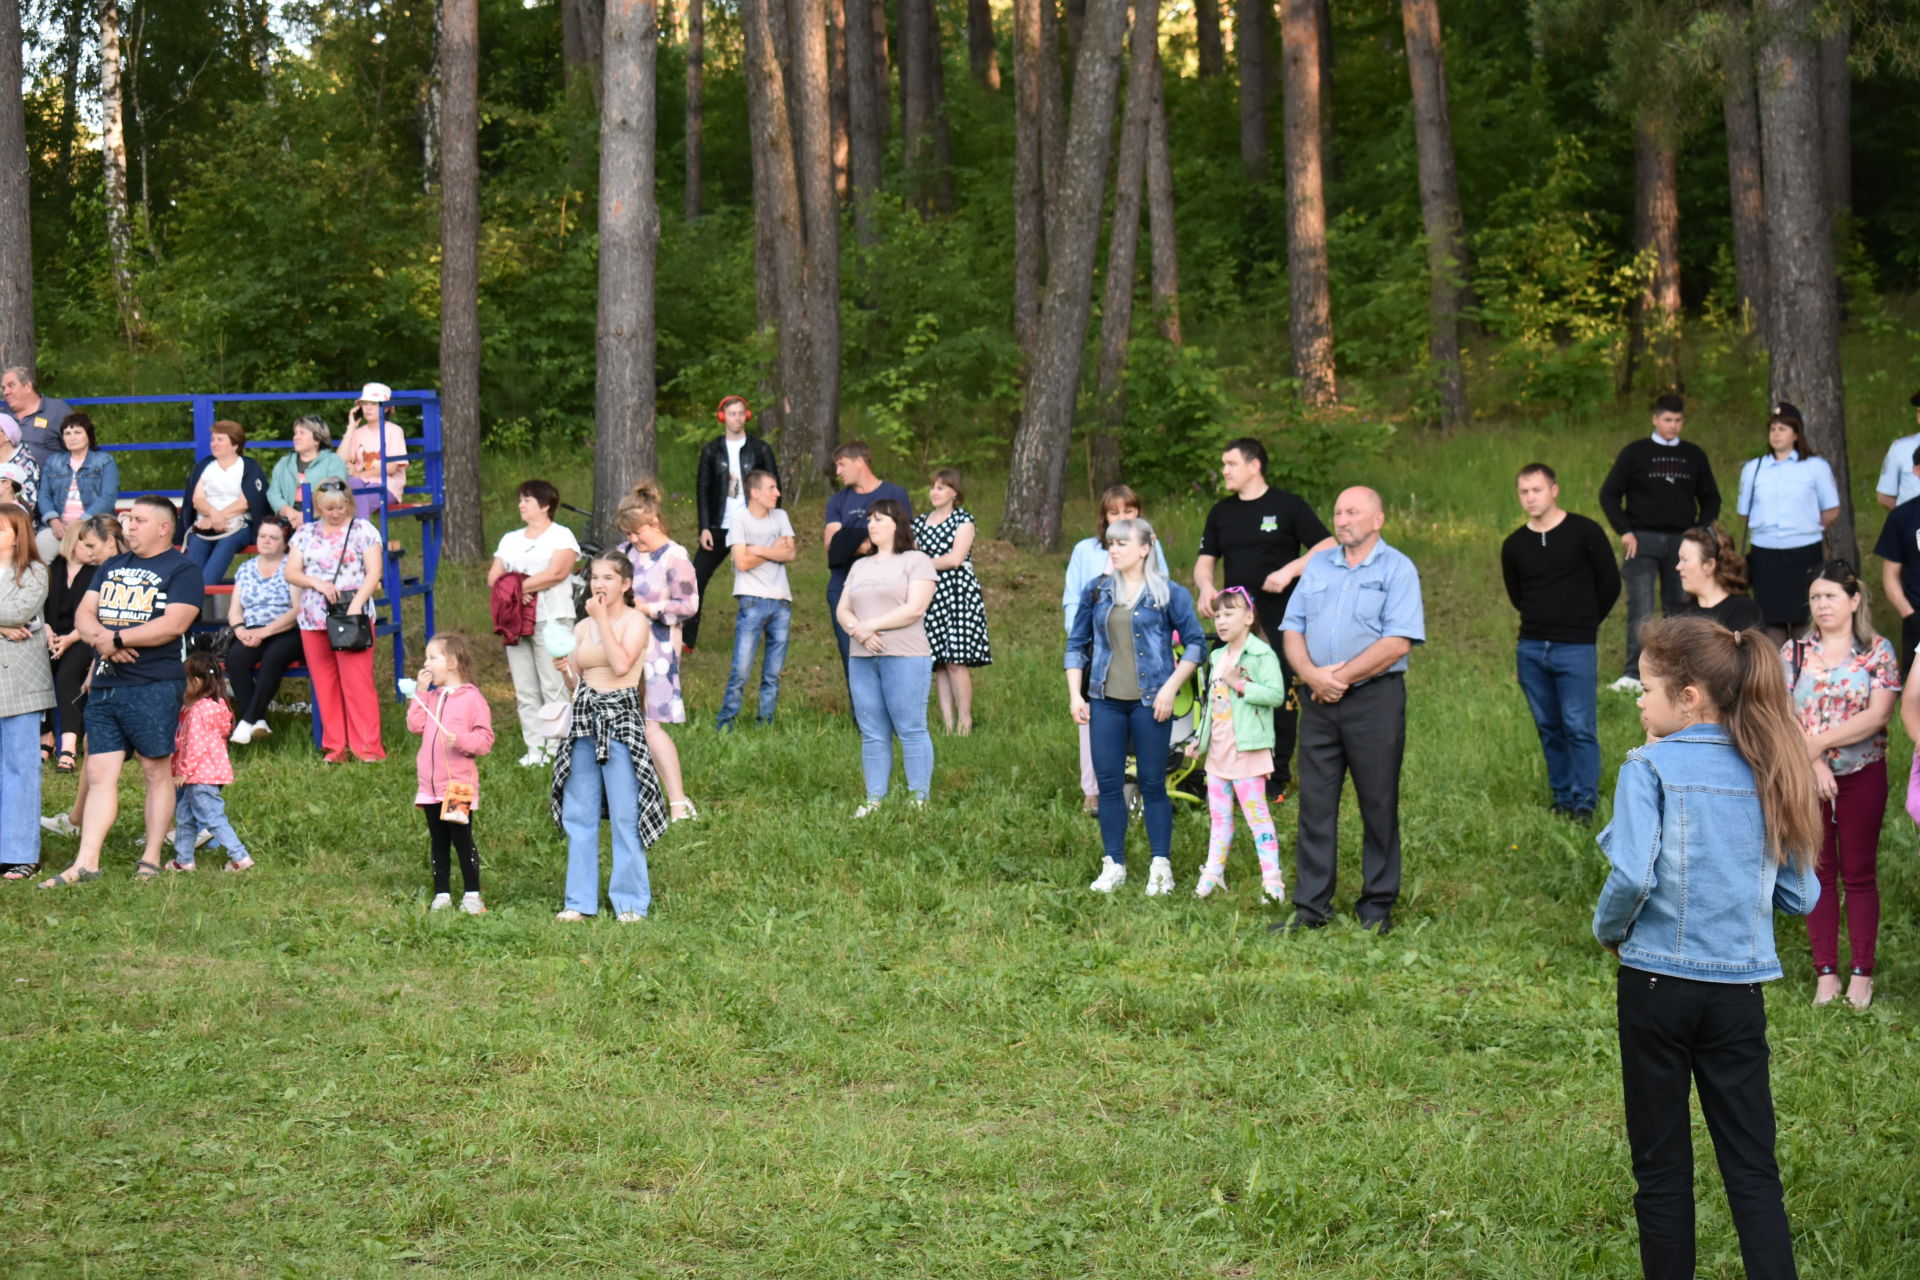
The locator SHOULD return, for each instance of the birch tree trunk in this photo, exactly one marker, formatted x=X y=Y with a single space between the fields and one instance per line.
x=1035 y=485
x=1439 y=205
x=1311 y=321
x=624 y=445
x=1166 y=242
x=696 y=102
x=460 y=274
x=1746 y=189
x=1656 y=182
x=113 y=154
x=17 y=338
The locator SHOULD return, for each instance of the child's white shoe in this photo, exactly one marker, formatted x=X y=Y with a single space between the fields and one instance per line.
x=441 y=901
x=1112 y=876
x=1211 y=878
x=261 y=728
x=470 y=904
x=1274 y=887
x=1159 y=878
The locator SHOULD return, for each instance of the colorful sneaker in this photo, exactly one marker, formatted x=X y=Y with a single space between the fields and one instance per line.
x=1159 y=878
x=441 y=901
x=1210 y=879
x=1112 y=876
x=471 y=905
x=1274 y=887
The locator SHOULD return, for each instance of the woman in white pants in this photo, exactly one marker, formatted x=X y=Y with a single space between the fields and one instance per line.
x=545 y=552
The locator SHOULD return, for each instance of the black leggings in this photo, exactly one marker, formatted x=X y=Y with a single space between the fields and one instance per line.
x=69 y=677
x=272 y=656
x=704 y=564
x=457 y=835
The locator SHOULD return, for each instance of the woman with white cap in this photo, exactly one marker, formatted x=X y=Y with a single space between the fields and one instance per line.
x=360 y=449
x=12 y=451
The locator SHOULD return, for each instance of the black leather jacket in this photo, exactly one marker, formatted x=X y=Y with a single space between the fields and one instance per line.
x=710 y=490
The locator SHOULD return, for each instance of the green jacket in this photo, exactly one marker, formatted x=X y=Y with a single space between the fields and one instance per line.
x=1252 y=709
x=283 y=489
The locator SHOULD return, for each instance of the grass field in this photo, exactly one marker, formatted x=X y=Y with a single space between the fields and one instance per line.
x=919 y=1046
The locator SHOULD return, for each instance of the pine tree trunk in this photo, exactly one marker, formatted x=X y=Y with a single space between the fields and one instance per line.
x=916 y=103
x=1836 y=114
x=696 y=101
x=17 y=338
x=1656 y=183
x=1166 y=242
x=1076 y=20
x=1123 y=247
x=1439 y=204
x=624 y=445
x=983 y=52
x=882 y=73
x=1805 y=329
x=1742 y=112
x=460 y=274
x=1206 y=31
x=581 y=26
x=1053 y=108
x=1029 y=159
x=1035 y=484
x=864 y=128
x=838 y=96
x=943 y=192
x=1323 y=22
x=69 y=90
x=1310 y=324
x=1256 y=85
x=113 y=151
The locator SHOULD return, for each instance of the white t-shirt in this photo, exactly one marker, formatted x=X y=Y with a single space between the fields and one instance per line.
x=736 y=504
x=222 y=489
x=522 y=554
x=767 y=581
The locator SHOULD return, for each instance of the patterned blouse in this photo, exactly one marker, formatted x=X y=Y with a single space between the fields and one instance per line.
x=321 y=553
x=262 y=599
x=1829 y=696
x=200 y=744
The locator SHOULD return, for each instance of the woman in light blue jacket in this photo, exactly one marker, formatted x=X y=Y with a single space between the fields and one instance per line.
x=79 y=483
x=1715 y=826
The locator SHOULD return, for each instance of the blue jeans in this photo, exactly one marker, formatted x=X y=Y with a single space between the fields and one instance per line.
x=580 y=817
x=216 y=554
x=1112 y=725
x=889 y=701
x=197 y=807
x=756 y=617
x=20 y=787
x=1561 y=682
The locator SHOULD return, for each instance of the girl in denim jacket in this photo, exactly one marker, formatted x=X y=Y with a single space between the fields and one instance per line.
x=1715 y=826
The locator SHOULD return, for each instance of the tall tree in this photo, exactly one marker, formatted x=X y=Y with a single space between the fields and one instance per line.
x=882 y=76
x=17 y=340
x=1836 y=110
x=1035 y=484
x=1310 y=323
x=1747 y=195
x=935 y=64
x=1805 y=330
x=113 y=153
x=1250 y=47
x=1656 y=227
x=865 y=130
x=581 y=24
x=1439 y=205
x=838 y=92
x=916 y=102
x=1206 y=33
x=1323 y=23
x=460 y=273
x=1029 y=167
x=624 y=444
x=1165 y=242
x=696 y=101
x=983 y=51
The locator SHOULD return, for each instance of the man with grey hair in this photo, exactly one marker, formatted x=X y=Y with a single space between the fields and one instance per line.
x=1354 y=617
x=39 y=416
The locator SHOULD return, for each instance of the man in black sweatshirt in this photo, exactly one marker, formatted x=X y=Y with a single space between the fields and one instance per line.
x=1658 y=489
x=1559 y=572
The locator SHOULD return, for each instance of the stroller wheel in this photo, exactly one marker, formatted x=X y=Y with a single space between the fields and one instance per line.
x=1130 y=792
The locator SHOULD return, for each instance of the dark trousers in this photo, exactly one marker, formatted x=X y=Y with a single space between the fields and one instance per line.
x=254 y=671
x=1286 y=716
x=705 y=563
x=1909 y=638
x=69 y=691
x=1850 y=856
x=837 y=583
x=448 y=837
x=1657 y=561
x=1365 y=735
x=1676 y=1034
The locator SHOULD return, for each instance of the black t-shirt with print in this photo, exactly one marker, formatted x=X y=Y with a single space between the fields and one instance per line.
x=1256 y=537
x=129 y=591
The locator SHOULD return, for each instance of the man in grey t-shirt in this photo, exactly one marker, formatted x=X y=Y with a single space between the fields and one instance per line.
x=761 y=542
x=39 y=418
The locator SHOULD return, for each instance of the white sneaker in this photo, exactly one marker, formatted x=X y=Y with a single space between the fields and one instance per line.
x=60 y=825
x=1112 y=876
x=568 y=917
x=441 y=901
x=629 y=917
x=471 y=905
x=1159 y=878
x=1627 y=684
x=242 y=733
x=533 y=759
x=867 y=810
x=261 y=728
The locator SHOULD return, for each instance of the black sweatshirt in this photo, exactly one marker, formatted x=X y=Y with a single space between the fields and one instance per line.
x=1668 y=488
x=1562 y=581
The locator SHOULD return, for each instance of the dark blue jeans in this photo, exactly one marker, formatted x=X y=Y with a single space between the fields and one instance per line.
x=757 y=617
x=1114 y=726
x=1561 y=682
x=1655 y=564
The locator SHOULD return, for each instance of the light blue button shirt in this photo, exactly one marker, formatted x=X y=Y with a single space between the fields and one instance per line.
x=1897 y=480
x=1782 y=500
x=1343 y=609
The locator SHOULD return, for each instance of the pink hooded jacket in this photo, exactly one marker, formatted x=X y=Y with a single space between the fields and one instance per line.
x=452 y=753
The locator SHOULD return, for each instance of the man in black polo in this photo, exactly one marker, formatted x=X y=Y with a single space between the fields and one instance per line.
x=1899 y=551
x=1660 y=487
x=1265 y=535
x=720 y=495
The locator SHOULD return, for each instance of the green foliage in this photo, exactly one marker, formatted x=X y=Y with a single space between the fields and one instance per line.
x=1177 y=417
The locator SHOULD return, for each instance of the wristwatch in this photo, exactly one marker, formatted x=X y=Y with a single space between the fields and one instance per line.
x=117 y=642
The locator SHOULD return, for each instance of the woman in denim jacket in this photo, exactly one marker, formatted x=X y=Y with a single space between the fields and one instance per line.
x=1130 y=689
x=81 y=482
x=1715 y=826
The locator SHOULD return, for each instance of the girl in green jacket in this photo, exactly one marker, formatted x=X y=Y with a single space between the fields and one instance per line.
x=1244 y=684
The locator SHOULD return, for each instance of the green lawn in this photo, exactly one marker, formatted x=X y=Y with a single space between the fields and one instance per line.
x=918 y=1046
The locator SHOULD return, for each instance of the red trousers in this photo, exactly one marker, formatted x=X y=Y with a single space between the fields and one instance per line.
x=1850 y=856
x=344 y=698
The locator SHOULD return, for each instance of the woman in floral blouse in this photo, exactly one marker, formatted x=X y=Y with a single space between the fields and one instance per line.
x=667 y=592
x=1845 y=681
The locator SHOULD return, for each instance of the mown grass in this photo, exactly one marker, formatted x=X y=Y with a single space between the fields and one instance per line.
x=916 y=1046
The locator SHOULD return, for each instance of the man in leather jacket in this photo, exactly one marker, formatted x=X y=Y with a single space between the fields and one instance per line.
x=720 y=493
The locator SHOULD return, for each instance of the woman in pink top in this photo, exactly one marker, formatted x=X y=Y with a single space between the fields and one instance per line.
x=360 y=449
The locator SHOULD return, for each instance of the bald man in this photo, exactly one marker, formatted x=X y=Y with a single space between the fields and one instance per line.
x=1353 y=620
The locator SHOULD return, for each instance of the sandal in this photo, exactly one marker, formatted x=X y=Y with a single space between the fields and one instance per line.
x=1865 y=999
x=244 y=864
x=66 y=762
x=20 y=871
x=71 y=876
x=146 y=870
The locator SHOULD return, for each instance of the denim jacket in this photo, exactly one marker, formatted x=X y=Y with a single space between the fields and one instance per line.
x=1153 y=632
x=99 y=480
x=1693 y=889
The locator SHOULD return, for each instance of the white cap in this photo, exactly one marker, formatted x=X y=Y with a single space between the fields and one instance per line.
x=10 y=427
x=13 y=471
x=376 y=393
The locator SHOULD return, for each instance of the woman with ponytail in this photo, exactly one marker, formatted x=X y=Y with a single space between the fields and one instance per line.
x=666 y=590
x=1715 y=826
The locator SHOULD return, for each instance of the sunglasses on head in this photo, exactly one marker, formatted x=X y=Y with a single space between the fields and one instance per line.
x=331 y=486
x=1835 y=571
x=1242 y=592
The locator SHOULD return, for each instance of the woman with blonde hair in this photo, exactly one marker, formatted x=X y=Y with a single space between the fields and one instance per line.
x=86 y=545
x=666 y=590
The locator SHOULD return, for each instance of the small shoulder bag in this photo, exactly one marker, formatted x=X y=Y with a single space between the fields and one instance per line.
x=347 y=632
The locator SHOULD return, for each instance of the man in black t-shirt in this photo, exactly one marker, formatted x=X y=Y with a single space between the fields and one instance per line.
x=1265 y=535
x=1899 y=550
x=134 y=616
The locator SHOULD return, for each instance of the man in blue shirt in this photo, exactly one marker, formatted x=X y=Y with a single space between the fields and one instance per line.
x=1354 y=617
x=845 y=533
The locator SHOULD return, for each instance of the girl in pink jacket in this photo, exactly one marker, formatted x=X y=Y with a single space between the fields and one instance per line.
x=456 y=728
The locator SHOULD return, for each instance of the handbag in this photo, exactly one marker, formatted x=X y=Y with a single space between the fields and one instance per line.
x=347 y=632
x=556 y=719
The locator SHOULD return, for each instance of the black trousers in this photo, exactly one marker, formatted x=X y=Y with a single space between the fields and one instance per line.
x=254 y=671
x=705 y=564
x=1675 y=1034
x=1909 y=637
x=1286 y=716
x=69 y=680
x=448 y=837
x=1365 y=735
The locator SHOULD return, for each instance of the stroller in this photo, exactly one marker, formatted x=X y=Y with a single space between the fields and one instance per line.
x=1186 y=778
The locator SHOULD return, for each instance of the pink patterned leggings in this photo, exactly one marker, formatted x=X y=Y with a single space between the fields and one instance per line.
x=1252 y=793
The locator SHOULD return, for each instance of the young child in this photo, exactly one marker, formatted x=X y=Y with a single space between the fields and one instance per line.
x=1244 y=685
x=201 y=767
x=455 y=725
x=1715 y=826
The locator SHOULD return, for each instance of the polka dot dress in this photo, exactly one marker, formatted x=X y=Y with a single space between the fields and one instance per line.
x=957 y=619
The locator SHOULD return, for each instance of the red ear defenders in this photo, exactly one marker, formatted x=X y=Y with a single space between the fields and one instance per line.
x=720 y=410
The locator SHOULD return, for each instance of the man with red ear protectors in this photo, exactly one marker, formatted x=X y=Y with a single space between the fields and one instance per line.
x=721 y=495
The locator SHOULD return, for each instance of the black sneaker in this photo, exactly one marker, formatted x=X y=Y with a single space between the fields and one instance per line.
x=1379 y=926
x=1299 y=924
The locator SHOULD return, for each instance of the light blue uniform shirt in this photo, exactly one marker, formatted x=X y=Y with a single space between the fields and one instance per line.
x=1341 y=610
x=1897 y=480
x=1782 y=500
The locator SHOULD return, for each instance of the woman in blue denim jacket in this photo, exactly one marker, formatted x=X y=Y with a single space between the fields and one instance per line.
x=1123 y=640
x=79 y=483
x=1715 y=826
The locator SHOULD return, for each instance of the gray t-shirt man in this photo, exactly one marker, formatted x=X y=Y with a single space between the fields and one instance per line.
x=40 y=430
x=768 y=579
